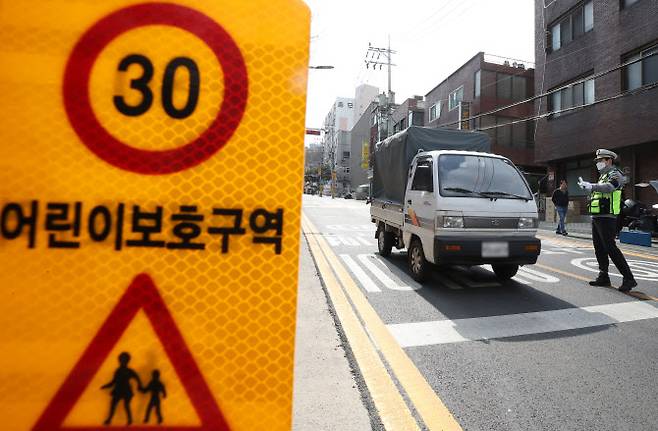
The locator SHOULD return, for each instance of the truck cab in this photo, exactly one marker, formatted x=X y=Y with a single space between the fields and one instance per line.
x=461 y=208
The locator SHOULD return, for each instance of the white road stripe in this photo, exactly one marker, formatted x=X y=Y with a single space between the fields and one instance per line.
x=347 y=240
x=468 y=282
x=534 y=275
x=363 y=278
x=368 y=261
x=332 y=240
x=364 y=241
x=512 y=325
x=449 y=283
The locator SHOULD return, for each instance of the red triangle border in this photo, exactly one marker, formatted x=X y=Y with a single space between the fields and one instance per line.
x=142 y=294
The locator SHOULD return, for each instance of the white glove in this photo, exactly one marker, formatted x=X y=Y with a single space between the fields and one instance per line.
x=584 y=184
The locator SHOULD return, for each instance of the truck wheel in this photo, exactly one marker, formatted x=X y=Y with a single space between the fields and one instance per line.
x=384 y=242
x=418 y=265
x=505 y=271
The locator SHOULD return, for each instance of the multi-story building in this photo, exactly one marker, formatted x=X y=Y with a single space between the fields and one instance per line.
x=580 y=46
x=335 y=142
x=488 y=82
x=411 y=112
x=364 y=94
x=362 y=136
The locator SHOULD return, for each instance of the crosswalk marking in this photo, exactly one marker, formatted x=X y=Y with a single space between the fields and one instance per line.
x=368 y=261
x=364 y=241
x=363 y=278
x=513 y=325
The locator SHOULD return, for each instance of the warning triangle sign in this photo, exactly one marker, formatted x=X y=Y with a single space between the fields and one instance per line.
x=142 y=294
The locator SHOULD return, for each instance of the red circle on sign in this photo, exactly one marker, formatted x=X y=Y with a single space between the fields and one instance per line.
x=107 y=147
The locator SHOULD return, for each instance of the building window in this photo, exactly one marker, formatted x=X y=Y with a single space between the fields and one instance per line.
x=572 y=26
x=340 y=104
x=455 y=98
x=350 y=105
x=578 y=94
x=627 y=3
x=403 y=124
x=513 y=135
x=433 y=111
x=477 y=84
x=346 y=154
x=346 y=170
x=510 y=87
x=410 y=119
x=643 y=72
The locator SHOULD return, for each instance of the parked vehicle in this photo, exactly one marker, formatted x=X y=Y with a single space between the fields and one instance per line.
x=362 y=192
x=441 y=195
x=637 y=215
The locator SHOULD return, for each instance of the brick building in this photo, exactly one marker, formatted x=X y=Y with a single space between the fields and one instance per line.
x=489 y=82
x=576 y=41
x=411 y=112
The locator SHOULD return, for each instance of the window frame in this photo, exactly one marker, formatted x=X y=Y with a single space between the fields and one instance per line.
x=450 y=98
x=477 y=86
x=569 y=92
x=558 y=28
x=423 y=162
x=430 y=116
x=625 y=4
x=640 y=65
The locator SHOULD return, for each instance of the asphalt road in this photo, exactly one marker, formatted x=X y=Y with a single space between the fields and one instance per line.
x=544 y=351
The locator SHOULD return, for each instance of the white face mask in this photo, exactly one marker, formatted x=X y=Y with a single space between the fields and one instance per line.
x=600 y=165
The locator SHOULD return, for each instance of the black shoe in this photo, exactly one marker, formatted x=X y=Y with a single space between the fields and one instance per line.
x=565 y=233
x=600 y=281
x=557 y=232
x=627 y=285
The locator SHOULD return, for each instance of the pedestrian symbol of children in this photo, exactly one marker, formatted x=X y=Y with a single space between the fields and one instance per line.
x=122 y=390
x=155 y=388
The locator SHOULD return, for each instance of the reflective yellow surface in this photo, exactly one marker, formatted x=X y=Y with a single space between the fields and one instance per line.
x=234 y=307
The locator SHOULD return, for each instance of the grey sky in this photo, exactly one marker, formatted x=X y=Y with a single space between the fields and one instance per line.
x=432 y=37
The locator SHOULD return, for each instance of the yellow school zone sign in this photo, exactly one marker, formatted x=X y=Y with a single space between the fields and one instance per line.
x=151 y=171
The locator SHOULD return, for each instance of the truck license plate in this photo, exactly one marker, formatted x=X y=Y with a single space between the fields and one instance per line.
x=495 y=249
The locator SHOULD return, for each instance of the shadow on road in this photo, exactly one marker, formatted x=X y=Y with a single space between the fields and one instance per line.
x=485 y=297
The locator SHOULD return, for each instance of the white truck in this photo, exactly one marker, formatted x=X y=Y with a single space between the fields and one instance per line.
x=443 y=196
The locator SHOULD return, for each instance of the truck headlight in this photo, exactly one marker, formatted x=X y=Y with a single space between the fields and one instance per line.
x=453 y=222
x=527 y=223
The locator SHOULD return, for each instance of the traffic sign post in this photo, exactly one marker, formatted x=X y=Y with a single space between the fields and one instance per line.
x=149 y=213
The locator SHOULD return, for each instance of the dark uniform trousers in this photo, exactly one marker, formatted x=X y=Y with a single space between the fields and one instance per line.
x=604 y=230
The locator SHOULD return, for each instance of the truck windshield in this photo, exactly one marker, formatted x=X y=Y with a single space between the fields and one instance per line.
x=480 y=176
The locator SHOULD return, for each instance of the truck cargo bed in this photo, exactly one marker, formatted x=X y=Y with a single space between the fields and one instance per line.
x=390 y=212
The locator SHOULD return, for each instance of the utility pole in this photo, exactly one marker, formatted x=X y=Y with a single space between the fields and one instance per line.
x=373 y=56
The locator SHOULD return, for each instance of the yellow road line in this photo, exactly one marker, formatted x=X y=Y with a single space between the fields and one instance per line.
x=559 y=271
x=639 y=295
x=429 y=406
x=562 y=241
x=393 y=411
x=645 y=256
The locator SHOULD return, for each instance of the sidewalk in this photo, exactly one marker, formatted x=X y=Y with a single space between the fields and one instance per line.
x=584 y=231
x=326 y=394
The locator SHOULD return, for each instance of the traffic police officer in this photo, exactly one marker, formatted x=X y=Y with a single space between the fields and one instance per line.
x=605 y=206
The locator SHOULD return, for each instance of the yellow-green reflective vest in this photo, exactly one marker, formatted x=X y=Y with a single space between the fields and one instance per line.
x=605 y=203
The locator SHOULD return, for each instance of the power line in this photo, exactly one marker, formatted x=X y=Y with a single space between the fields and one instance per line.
x=573 y=108
x=548 y=93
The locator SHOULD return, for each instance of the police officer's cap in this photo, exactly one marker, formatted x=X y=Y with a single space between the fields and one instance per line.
x=605 y=154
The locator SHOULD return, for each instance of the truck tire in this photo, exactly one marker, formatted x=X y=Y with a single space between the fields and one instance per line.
x=419 y=267
x=384 y=242
x=505 y=271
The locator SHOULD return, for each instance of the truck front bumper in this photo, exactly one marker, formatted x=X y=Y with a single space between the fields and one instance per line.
x=479 y=251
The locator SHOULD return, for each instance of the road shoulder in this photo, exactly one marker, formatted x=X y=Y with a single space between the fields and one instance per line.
x=326 y=393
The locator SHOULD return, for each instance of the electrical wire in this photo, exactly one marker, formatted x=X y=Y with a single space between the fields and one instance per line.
x=548 y=93
x=573 y=108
